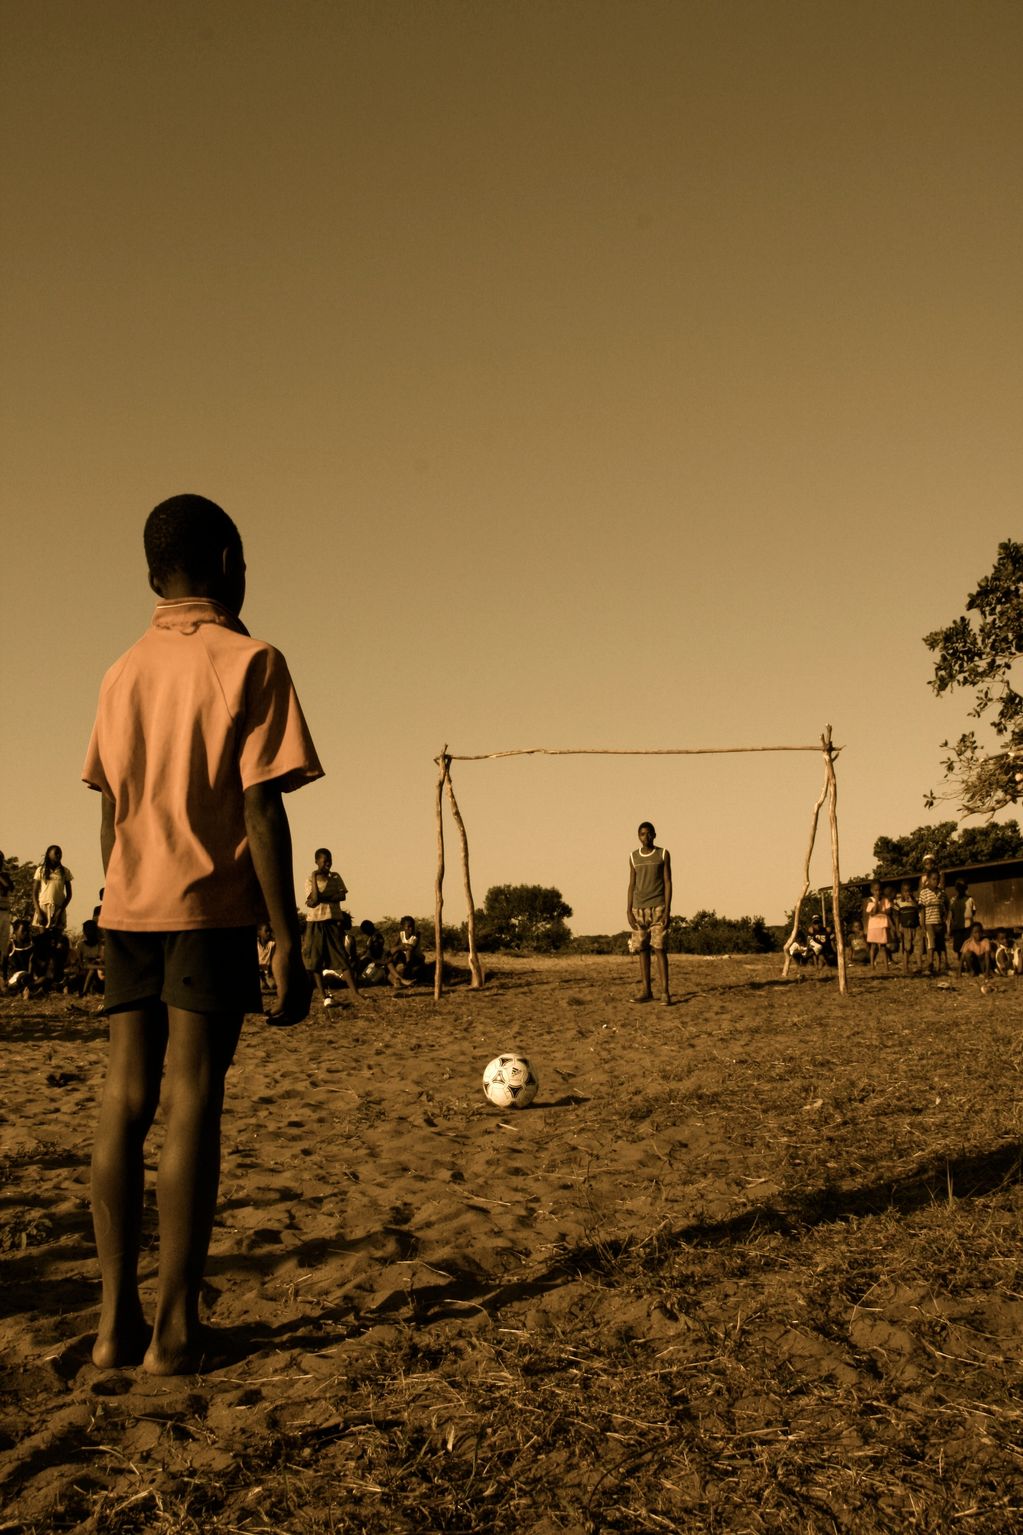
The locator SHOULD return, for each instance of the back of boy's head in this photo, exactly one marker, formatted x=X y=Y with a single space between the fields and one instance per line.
x=186 y=535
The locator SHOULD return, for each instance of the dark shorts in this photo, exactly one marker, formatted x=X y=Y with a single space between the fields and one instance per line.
x=323 y=948
x=210 y=970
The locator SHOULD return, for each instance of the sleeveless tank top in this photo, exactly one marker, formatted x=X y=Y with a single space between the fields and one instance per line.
x=649 y=886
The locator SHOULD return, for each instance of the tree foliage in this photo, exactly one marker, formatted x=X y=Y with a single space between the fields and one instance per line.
x=949 y=845
x=21 y=896
x=529 y=917
x=977 y=650
x=707 y=933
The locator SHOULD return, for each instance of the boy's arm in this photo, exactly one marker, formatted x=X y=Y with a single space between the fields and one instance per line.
x=266 y=824
x=107 y=831
x=667 y=888
x=632 y=891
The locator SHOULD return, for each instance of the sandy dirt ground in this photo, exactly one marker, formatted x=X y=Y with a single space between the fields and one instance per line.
x=750 y=1263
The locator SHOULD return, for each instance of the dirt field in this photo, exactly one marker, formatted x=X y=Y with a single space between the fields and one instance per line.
x=750 y=1264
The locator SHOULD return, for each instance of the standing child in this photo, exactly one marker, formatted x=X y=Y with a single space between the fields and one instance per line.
x=324 y=946
x=907 y=919
x=198 y=735
x=934 y=911
x=648 y=909
x=51 y=891
x=962 y=913
x=878 y=912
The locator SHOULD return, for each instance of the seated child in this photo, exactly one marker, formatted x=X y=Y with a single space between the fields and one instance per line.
x=266 y=948
x=374 y=965
x=798 y=949
x=1002 y=952
x=817 y=941
x=90 y=957
x=407 y=958
x=975 y=953
x=19 y=957
x=859 y=953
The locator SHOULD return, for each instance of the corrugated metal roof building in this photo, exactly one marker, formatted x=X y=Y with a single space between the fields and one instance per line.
x=997 y=889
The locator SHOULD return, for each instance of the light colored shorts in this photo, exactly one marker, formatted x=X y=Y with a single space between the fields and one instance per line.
x=650 y=931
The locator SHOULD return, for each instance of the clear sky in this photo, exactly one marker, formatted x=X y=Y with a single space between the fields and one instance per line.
x=579 y=374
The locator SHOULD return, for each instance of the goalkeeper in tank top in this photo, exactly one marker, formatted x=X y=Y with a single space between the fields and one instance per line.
x=649 y=910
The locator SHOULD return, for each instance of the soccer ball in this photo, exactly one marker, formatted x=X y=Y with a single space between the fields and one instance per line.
x=510 y=1082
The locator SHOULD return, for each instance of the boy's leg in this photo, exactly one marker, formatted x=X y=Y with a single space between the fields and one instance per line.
x=131 y=1093
x=639 y=944
x=662 y=966
x=200 y=1049
x=349 y=975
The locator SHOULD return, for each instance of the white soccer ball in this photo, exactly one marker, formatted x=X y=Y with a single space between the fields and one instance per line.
x=510 y=1082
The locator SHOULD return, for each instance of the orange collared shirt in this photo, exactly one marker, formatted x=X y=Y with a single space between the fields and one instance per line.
x=195 y=713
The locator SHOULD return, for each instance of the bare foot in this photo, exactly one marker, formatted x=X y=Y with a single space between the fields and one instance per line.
x=188 y=1356
x=666 y=1001
x=646 y=997
x=124 y=1343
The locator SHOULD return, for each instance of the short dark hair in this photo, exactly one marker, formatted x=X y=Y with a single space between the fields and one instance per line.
x=651 y=828
x=326 y=850
x=185 y=535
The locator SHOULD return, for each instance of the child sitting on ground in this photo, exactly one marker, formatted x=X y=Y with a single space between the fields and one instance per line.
x=858 y=950
x=266 y=948
x=407 y=958
x=975 y=953
x=19 y=957
x=1002 y=952
x=90 y=957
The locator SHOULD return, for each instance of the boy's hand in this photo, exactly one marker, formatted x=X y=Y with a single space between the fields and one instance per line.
x=294 y=987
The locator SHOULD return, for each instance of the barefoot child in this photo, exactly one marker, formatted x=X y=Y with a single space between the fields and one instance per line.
x=198 y=734
x=649 y=910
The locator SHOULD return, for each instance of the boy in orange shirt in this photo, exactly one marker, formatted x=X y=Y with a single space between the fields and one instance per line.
x=198 y=734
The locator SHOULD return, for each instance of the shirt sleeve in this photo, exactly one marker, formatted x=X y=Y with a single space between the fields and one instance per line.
x=93 y=772
x=274 y=745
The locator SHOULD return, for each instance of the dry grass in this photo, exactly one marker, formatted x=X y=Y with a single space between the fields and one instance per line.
x=804 y=1315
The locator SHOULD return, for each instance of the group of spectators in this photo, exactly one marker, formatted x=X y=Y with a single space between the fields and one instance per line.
x=36 y=953
x=930 y=925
